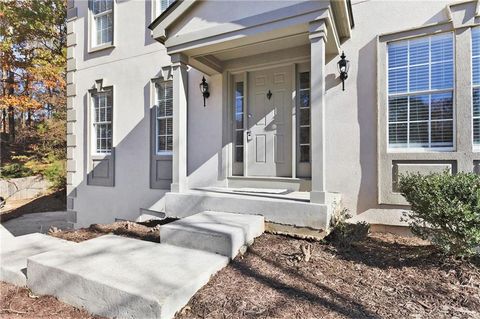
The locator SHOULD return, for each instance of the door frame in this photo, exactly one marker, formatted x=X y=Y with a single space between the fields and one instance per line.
x=229 y=78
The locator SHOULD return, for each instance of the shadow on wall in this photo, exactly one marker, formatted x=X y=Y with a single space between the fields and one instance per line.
x=131 y=190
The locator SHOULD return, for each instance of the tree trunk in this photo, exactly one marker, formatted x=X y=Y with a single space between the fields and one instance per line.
x=11 y=111
x=29 y=117
x=4 y=121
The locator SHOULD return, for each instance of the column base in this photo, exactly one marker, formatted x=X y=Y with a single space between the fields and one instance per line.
x=175 y=188
x=320 y=197
x=178 y=187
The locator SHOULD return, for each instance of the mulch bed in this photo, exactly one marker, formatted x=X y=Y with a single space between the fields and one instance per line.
x=149 y=230
x=16 y=302
x=385 y=276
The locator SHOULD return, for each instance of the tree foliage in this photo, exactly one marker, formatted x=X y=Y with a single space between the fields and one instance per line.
x=33 y=79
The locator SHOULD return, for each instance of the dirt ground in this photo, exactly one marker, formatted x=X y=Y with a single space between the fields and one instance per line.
x=385 y=276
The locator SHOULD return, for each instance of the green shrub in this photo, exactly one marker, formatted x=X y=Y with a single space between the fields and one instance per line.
x=15 y=170
x=445 y=209
x=55 y=173
x=344 y=234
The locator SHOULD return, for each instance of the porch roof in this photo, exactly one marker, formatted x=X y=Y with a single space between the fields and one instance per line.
x=210 y=32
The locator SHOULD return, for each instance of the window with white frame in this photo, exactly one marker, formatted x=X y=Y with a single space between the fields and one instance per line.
x=164 y=122
x=162 y=5
x=102 y=31
x=304 y=117
x=239 y=127
x=102 y=122
x=420 y=93
x=476 y=86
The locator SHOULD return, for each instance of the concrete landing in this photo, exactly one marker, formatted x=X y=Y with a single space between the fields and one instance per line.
x=216 y=232
x=120 y=277
x=15 y=251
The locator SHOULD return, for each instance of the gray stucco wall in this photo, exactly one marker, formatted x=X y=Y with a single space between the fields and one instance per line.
x=352 y=162
x=351 y=116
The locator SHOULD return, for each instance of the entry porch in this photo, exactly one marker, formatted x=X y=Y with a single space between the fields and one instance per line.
x=272 y=62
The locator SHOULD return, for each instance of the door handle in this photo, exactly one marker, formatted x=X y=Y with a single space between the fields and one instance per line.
x=249 y=135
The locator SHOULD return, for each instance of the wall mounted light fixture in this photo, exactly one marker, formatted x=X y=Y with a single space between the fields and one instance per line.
x=204 y=90
x=343 y=67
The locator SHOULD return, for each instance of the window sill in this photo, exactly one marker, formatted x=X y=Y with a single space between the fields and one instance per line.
x=165 y=155
x=102 y=47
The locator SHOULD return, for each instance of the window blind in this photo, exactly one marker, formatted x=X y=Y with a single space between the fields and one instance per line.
x=476 y=85
x=165 y=117
x=420 y=92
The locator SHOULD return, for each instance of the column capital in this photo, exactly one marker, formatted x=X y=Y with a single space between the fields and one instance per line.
x=317 y=30
x=179 y=59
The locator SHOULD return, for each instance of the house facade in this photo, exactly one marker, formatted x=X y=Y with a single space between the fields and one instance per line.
x=181 y=106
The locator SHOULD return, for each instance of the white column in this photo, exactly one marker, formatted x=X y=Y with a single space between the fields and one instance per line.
x=180 y=97
x=317 y=103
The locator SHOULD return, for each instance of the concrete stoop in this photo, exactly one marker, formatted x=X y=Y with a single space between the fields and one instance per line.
x=217 y=232
x=14 y=252
x=275 y=210
x=120 y=277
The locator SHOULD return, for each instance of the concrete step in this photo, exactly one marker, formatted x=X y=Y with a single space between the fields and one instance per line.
x=14 y=252
x=149 y=214
x=280 y=211
x=120 y=277
x=217 y=232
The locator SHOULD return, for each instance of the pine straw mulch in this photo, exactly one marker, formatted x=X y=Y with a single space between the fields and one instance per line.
x=385 y=276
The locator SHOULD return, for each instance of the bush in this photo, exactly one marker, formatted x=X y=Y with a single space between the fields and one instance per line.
x=15 y=170
x=56 y=175
x=344 y=234
x=445 y=209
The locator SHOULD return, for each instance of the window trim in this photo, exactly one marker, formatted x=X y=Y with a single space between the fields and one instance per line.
x=92 y=46
x=429 y=149
x=157 y=100
x=92 y=127
x=157 y=10
x=235 y=113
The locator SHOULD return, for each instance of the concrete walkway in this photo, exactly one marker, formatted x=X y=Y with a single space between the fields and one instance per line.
x=39 y=222
x=119 y=277
x=14 y=252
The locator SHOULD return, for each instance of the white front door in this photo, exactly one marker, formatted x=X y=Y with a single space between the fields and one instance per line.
x=269 y=119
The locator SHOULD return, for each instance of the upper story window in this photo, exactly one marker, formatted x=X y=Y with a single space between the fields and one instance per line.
x=420 y=93
x=476 y=86
x=164 y=118
x=102 y=122
x=162 y=5
x=102 y=30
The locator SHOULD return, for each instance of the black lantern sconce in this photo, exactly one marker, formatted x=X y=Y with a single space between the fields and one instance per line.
x=343 y=66
x=204 y=90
